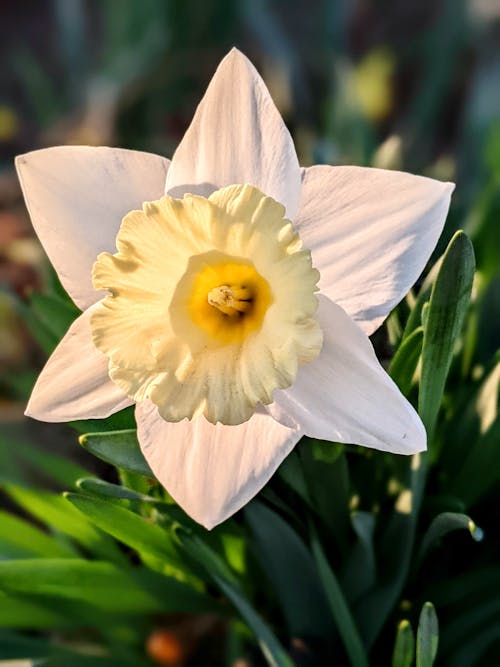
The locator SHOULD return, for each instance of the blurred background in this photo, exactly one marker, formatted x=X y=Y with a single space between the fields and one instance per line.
x=402 y=84
x=398 y=84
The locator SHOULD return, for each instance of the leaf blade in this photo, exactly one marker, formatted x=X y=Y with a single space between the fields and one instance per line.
x=447 y=306
x=120 y=448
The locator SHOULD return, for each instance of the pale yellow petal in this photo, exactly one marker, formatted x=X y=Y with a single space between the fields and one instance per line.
x=211 y=305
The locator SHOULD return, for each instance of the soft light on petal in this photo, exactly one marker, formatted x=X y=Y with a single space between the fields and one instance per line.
x=346 y=396
x=237 y=136
x=74 y=383
x=370 y=232
x=77 y=196
x=212 y=471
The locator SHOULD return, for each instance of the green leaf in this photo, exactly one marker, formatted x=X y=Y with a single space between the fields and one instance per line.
x=427 y=636
x=327 y=477
x=339 y=608
x=148 y=539
x=415 y=317
x=19 y=539
x=405 y=361
x=479 y=446
x=101 y=585
x=61 y=470
x=445 y=523
x=120 y=448
x=395 y=549
x=282 y=555
x=448 y=304
x=123 y=420
x=404 y=646
x=360 y=571
x=54 y=313
x=102 y=489
x=272 y=650
x=20 y=613
x=40 y=332
x=207 y=559
x=56 y=512
x=291 y=472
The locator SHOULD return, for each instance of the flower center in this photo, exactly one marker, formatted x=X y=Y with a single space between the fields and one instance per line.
x=232 y=300
x=211 y=305
x=224 y=296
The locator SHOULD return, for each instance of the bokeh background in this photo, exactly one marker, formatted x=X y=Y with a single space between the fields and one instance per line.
x=399 y=84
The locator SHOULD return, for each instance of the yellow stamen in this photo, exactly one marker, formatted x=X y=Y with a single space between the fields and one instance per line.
x=227 y=298
x=230 y=299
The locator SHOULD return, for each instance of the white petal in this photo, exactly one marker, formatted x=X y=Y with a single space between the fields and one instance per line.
x=212 y=471
x=74 y=383
x=77 y=196
x=370 y=232
x=237 y=136
x=346 y=396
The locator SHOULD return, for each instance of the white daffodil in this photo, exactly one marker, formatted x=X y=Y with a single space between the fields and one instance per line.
x=234 y=309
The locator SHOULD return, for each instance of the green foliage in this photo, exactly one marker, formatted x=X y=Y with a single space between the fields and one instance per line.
x=404 y=646
x=289 y=566
x=447 y=307
x=119 y=448
x=427 y=636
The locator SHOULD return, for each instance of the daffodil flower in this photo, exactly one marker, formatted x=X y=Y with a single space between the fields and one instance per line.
x=234 y=307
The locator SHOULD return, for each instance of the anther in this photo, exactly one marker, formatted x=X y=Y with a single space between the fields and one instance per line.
x=231 y=300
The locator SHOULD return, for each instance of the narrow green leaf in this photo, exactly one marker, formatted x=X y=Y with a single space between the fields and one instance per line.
x=445 y=523
x=148 y=539
x=339 y=608
x=124 y=420
x=479 y=444
x=102 y=489
x=282 y=555
x=405 y=361
x=119 y=448
x=19 y=539
x=20 y=613
x=487 y=403
x=404 y=646
x=327 y=477
x=360 y=571
x=40 y=331
x=425 y=313
x=415 y=317
x=395 y=549
x=215 y=567
x=56 y=512
x=291 y=472
x=61 y=470
x=427 y=636
x=448 y=304
x=57 y=315
x=272 y=650
x=101 y=585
